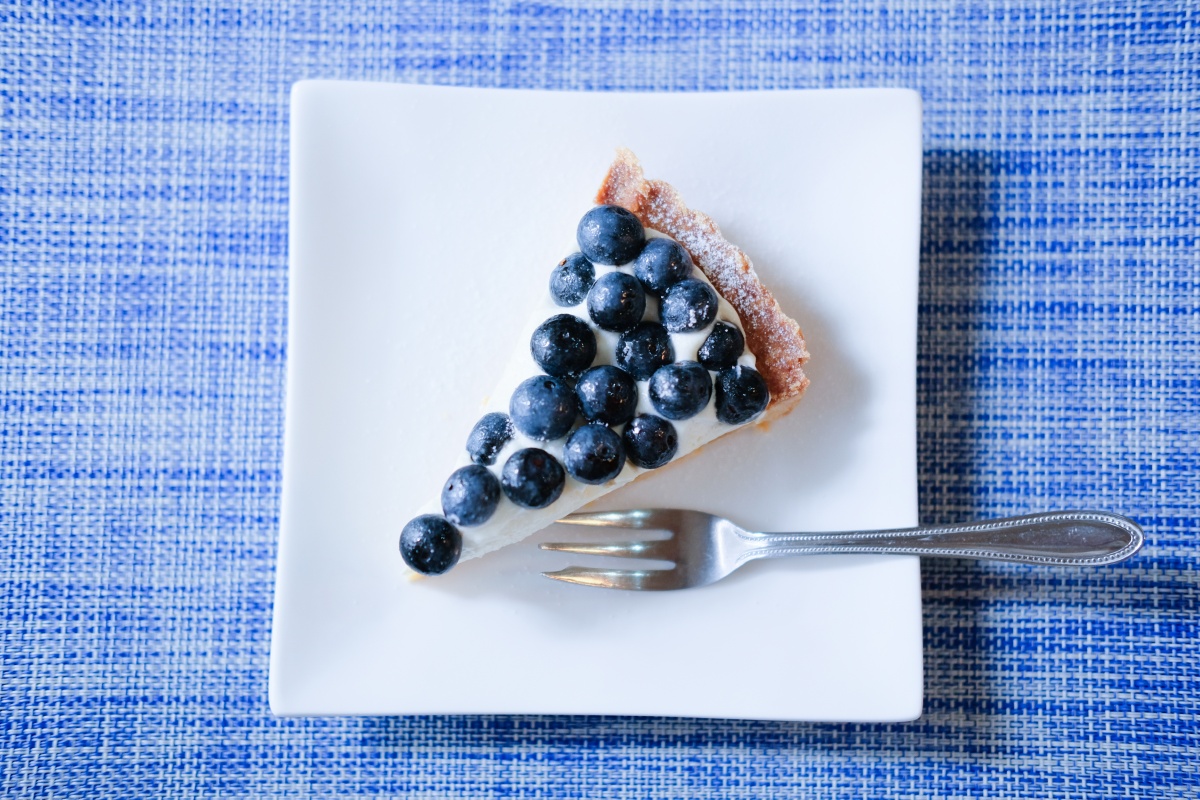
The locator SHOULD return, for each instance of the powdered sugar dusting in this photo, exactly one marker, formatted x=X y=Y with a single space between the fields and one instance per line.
x=773 y=337
x=623 y=184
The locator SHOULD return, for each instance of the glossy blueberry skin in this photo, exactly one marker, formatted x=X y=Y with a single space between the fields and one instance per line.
x=607 y=394
x=722 y=348
x=742 y=395
x=641 y=351
x=616 y=302
x=488 y=436
x=650 y=441
x=543 y=408
x=532 y=478
x=662 y=264
x=594 y=454
x=610 y=235
x=680 y=390
x=430 y=545
x=470 y=496
x=564 y=346
x=571 y=280
x=688 y=306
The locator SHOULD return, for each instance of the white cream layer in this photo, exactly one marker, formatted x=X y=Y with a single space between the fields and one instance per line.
x=511 y=523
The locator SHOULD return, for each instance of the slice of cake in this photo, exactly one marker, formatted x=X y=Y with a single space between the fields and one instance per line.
x=633 y=359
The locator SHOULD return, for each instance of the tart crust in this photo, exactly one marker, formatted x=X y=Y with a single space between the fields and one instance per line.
x=773 y=337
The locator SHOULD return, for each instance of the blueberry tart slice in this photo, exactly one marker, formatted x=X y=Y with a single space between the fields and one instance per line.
x=654 y=336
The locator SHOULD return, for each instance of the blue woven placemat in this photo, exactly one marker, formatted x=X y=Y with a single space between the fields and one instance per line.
x=143 y=215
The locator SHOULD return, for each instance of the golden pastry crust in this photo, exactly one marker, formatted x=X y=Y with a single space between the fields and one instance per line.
x=773 y=337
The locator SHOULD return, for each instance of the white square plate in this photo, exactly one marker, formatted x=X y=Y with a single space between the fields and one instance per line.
x=423 y=221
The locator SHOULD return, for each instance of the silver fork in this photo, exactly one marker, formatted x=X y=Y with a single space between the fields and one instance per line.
x=706 y=548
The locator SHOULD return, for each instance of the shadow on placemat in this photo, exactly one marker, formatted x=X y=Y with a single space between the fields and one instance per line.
x=959 y=220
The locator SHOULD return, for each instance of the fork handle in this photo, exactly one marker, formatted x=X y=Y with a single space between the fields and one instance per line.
x=1082 y=538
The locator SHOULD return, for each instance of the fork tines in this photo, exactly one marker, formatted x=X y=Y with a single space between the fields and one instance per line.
x=635 y=579
x=637 y=518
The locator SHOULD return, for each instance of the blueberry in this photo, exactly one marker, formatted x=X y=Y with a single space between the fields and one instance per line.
x=722 y=347
x=571 y=279
x=742 y=394
x=488 y=436
x=680 y=390
x=532 y=478
x=644 y=349
x=543 y=408
x=430 y=545
x=470 y=495
x=616 y=302
x=610 y=235
x=607 y=394
x=662 y=264
x=563 y=346
x=593 y=454
x=650 y=441
x=688 y=306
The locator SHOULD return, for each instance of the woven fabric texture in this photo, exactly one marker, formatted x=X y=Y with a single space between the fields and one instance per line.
x=143 y=219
